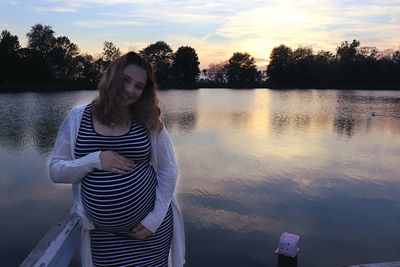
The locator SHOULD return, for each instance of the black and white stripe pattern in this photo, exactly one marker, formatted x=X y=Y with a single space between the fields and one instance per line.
x=117 y=202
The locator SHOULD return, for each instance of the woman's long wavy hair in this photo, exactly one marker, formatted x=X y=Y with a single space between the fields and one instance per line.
x=107 y=106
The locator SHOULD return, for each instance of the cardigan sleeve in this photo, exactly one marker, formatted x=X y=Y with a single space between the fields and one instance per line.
x=167 y=173
x=63 y=168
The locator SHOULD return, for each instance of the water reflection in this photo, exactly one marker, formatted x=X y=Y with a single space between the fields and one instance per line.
x=253 y=164
x=280 y=121
x=12 y=122
x=346 y=114
x=332 y=223
x=33 y=119
x=180 y=114
x=184 y=121
x=355 y=110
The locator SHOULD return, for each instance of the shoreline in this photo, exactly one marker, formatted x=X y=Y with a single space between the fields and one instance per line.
x=65 y=86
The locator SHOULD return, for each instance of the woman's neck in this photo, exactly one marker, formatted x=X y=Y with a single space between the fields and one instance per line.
x=113 y=128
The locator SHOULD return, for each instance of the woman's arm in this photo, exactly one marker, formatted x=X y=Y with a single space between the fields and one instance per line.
x=62 y=167
x=167 y=173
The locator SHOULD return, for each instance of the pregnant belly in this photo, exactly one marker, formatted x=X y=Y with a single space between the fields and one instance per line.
x=117 y=202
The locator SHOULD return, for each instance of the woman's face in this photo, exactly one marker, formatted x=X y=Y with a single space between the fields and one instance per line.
x=134 y=83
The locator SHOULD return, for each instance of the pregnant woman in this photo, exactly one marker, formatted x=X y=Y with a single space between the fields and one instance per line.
x=116 y=153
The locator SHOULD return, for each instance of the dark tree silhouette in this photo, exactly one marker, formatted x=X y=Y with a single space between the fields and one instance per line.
x=110 y=51
x=241 y=69
x=9 y=44
x=63 y=57
x=48 y=58
x=217 y=72
x=280 y=66
x=41 y=39
x=352 y=66
x=303 y=60
x=88 y=69
x=348 y=52
x=323 y=69
x=9 y=57
x=348 y=60
x=185 y=67
x=37 y=56
x=160 y=55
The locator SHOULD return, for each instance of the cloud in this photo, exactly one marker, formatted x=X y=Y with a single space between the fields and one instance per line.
x=12 y=2
x=55 y=9
x=165 y=15
x=217 y=29
x=319 y=24
x=109 y=2
x=106 y=23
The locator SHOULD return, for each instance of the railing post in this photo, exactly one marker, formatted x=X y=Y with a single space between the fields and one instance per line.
x=288 y=250
x=58 y=247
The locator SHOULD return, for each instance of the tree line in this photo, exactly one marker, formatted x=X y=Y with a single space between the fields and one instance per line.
x=48 y=58
x=353 y=66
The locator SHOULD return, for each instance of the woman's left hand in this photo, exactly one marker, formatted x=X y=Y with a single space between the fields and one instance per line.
x=140 y=232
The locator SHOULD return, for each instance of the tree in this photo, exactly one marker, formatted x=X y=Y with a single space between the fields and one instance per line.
x=241 y=69
x=367 y=64
x=280 y=66
x=9 y=44
x=9 y=56
x=303 y=60
x=160 y=55
x=396 y=67
x=324 y=68
x=349 y=59
x=348 y=52
x=396 y=56
x=41 y=39
x=110 y=52
x=217 y=72
x=62 y=59
x=87 y=69
x=186 y=65
x=38 y=65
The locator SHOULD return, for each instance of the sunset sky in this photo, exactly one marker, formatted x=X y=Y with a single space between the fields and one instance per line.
x=216 y=29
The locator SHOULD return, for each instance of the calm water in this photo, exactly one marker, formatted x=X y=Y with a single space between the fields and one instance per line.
x=253 y=164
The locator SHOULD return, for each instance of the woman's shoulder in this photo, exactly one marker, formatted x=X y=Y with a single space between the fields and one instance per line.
x=78 y=109
x=160 y=136
x=75 y=113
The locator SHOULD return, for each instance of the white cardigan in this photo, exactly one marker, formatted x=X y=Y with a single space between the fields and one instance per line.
x=65 y=168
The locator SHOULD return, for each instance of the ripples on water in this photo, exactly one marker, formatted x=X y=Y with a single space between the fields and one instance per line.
x=253 y=164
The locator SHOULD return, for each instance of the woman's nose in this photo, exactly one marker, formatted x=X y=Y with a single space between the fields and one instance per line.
x=131 y=88
x=134 y=91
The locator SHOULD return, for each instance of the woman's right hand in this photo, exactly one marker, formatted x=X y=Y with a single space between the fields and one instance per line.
x=114 y=162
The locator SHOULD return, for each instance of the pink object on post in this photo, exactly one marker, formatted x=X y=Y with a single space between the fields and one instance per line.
x=288 y=245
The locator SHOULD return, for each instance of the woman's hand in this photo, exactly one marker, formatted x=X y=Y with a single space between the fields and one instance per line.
x=140 y=232
x=114 y=162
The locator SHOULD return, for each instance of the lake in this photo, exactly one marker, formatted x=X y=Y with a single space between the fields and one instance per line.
x=323 y=164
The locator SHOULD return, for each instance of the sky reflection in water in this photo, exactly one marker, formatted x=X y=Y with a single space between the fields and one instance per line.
x=253 y=164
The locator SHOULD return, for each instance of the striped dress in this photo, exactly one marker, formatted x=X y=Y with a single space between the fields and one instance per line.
x=117 y=202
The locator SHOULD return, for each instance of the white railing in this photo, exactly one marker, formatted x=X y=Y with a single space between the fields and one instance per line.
x=58 y=247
